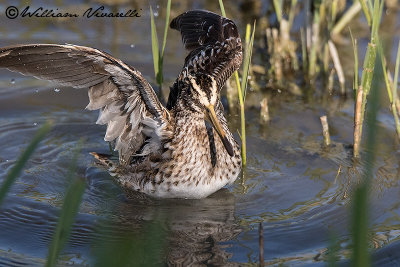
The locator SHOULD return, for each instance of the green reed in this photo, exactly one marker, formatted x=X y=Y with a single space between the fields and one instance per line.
x=158 y=55
x=333 y=250
x=366 y=77
x=395 y=83
x=242 y=88
x=360 y=205
x=19 y=165
x=72 y=200
x=355 y=51
x=312 y=67
x=146 y=247
x=391 y=88
x=346 y=18
x=278 y=9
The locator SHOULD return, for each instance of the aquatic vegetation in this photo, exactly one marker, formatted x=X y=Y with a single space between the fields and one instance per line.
x=242 y=88
x=20 y=163
x=360 y=199
x=72 y=200
x=363 y=89
x=158 y=55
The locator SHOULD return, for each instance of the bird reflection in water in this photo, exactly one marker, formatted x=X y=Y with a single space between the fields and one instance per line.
x=184 y=232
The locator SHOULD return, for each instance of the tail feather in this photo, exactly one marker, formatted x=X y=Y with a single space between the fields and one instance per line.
x=106 y=161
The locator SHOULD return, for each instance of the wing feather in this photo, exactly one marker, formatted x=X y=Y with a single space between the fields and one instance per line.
x=122 y=94
x=214 y=44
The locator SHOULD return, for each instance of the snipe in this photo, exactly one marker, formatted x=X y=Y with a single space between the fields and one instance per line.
x=183 y=150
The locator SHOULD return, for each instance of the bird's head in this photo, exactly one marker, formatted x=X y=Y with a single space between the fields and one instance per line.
x=204 y=95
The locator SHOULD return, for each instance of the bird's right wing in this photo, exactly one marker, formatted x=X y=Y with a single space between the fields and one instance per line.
x=127 y=102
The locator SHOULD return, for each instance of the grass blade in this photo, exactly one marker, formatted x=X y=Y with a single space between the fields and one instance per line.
x=144 y=247
x=346 y=18
x=19 y=165
x=292 y=12
x=154 y=47
x=394 y=103
x=304 y=54
x=241 y=101
x=160 y=76
x=221 y=6
x=366 y=11
x=369 y=63
x=333 y=250
x=385 y=74
x=396 y=73
x=166 y=27
x=242 y=120
x=355 y=51
x=278 y=9
x=312 y=68
x=360 y=256
x=247 y=57
x=360 y=228
x=69 y=210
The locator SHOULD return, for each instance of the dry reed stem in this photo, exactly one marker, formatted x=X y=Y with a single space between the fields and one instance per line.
x=264 y=112
x=330 y=81
x=398 y=105
x=338 y=66
x=325 y=130
x=358 y=122
x=347 y=17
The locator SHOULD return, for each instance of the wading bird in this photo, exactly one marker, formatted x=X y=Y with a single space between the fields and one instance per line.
x=183 y=150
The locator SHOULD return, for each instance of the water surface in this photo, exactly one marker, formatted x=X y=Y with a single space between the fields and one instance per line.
x=297 y=188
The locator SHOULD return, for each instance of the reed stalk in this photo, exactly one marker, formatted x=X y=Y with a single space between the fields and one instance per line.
x=355 y=51
x=315 y=41
x=333 y=251
x=338 y=66
x=396 y=76
x=325 y=130
x=366 y=11
x=242 y=120
x=358 y=122
x=304 y=54
x=19 y=165
x=278 y=9
x=292 y=12
x=385 y=73
x=264 y=112
x=249 y=40
x=346 y=18
x=368 y=70
x=360 y=214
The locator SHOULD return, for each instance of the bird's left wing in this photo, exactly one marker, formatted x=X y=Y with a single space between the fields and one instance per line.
x=214 y=44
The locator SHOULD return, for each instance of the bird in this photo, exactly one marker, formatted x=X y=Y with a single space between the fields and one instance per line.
x=181 y=150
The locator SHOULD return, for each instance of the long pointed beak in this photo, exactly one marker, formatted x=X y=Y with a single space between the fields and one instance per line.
x=220 y=131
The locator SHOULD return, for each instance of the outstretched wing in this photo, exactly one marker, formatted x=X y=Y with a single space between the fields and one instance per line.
x=127 y=102
x=214 y=44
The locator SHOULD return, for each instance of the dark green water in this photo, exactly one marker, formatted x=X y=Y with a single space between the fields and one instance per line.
x=298 y=189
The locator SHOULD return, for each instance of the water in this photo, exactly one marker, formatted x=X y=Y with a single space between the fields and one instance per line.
x=298 y=189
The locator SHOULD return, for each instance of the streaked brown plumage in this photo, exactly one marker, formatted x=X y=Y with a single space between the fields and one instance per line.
x=182 y=150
